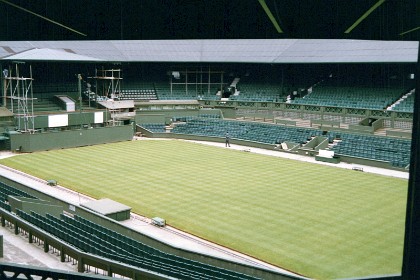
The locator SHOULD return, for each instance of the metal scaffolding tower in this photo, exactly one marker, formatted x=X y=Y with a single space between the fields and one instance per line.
x=108 y=87
x=108 y=83
x=196 y=81
x=19 y=91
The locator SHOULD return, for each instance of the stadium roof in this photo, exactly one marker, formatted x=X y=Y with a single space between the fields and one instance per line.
x=209 y=51
x=197 y=19
x=4 y=112
x=49 y=55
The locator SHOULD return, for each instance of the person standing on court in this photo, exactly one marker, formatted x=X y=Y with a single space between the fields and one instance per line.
x=227 y=140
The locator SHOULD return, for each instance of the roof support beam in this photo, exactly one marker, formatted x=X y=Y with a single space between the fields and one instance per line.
x=270 y=16
x=365 y=15
x=411 y=30
x=44 y=18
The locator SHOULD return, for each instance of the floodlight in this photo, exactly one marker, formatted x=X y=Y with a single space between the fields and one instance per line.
x=5 y=73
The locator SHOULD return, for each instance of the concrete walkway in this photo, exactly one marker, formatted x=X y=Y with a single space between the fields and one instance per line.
x=18 y=250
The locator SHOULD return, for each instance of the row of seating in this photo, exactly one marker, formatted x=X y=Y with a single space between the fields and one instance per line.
x=38 y=105
x=255 y=97
x=351 y=97
x=342 y=103
x=95 y=239
x=257 y=132
x=265 y=90
x=177 y=97
x=187 y=118
x=324 y=94
x=54 y=88
x=393 y=150
x=6 y=190
x=209 y=116
x=406 y=104
x=138 y=94
x=5 y=206
x=209 y=97
x=154 y=127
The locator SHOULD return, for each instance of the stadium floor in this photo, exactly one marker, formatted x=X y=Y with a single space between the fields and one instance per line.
x=18 y=250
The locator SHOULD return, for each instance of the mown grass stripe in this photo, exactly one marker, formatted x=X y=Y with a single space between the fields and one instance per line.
x=320 y=221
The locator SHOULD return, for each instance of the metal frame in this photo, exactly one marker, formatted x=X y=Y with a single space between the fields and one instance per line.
x=107 y=82
x=20 y=89
x=197 y=73
x=108 y=85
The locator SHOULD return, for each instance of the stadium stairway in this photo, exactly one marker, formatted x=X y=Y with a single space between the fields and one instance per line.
x=404 y=104
x=235 y=82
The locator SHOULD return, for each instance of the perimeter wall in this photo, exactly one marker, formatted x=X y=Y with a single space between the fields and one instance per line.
x=26 y=142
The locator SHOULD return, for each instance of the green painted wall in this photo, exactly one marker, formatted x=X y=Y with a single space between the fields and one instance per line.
x=228 y=112
x=120 y=216
x=402 y=134
x=165 y=116
x=71 y=138
x=142 y=116
x=75 y=119
x=37 y=205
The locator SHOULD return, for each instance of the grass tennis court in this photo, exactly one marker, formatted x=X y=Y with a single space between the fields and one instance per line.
x=319 y=221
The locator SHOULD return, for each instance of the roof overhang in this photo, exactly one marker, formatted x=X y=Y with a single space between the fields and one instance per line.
x=271 y=51
x=4 y=112
x=46 y=54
